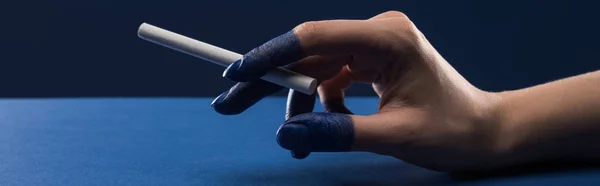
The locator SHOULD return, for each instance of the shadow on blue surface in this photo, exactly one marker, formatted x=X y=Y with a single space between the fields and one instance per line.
x=356 y=171
x=184 y=142
x=545 y=167
x=393 y=172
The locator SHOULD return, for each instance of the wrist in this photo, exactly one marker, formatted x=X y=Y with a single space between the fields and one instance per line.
x=511 y=138
x=493 y=115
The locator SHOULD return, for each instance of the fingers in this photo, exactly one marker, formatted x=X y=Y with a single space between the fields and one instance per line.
x=320 y=67
x=279 y=51
x=338 y=37
x=335 y=132
x=245 y=94
x=299 y=103
x=242 y=96
x=331 y=92
x=317 y=132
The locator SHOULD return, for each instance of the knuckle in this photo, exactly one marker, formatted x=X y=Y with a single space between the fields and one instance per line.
x=406 y=29
x=307 y=29
x=394 y=13
x=397 y=21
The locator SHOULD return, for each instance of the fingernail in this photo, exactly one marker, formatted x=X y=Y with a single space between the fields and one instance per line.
x=232 y=72
x=293 y=137
x=219 y=99
x=226 y=107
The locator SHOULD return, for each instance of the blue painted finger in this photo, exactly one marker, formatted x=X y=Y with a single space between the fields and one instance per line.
x=242 y=96
x=317 y=132
x=299 y=103
x=336 y=106
x=280 y=51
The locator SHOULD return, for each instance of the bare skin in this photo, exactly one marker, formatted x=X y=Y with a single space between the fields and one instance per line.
x=431 y=116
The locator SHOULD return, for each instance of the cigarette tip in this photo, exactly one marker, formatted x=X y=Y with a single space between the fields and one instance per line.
x=140 y=29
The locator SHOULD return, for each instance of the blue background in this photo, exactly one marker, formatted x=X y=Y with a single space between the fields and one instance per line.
x=73 y=48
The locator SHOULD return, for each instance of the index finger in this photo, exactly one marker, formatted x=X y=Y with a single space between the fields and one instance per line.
x=336 y=37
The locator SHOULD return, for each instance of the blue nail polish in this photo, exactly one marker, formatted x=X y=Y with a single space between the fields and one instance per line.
x=277 y=52
x=231 y=72
x=219 y=99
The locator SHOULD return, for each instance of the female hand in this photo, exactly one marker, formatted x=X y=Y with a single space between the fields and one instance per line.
x=428 y=115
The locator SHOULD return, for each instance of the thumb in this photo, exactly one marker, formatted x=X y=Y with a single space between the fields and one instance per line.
x=334 y=132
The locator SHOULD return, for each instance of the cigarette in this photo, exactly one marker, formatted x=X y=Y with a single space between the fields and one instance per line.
x=222 y=57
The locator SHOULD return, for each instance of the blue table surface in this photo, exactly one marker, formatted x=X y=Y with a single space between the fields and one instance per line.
x=182 y=141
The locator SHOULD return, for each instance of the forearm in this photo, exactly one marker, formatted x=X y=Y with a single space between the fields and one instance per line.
x=556 y=120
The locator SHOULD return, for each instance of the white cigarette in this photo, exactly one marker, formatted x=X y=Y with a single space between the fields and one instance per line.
x=222 y=57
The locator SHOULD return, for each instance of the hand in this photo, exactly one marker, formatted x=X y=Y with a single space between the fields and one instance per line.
x=428 y=115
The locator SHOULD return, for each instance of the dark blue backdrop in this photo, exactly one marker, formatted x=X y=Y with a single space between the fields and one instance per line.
x=90 y=48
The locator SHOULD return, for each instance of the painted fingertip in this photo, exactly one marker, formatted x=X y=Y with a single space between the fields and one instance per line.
x=232 y=73
x=221 y=108
x=219 y=99
x=317 y=132
x=242 y=96
x=293 y=137
x=299 y=155
x=280 y=51
x=299 y=103
x=336 y=106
